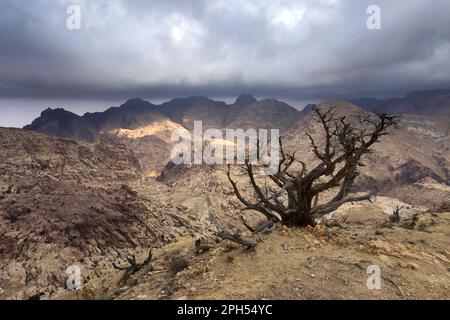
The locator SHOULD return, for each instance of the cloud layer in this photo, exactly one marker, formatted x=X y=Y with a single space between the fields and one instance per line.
x=290 y=49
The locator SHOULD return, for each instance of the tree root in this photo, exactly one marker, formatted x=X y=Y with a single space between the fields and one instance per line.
x=253 y=241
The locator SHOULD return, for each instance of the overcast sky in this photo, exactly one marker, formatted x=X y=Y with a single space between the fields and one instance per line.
x=294 y=50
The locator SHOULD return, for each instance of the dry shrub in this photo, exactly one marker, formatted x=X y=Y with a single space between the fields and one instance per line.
x=178 y=264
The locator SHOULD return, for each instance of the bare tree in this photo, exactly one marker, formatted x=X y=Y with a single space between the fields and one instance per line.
x=293 y=197
x=395 y=216
x=133 y=266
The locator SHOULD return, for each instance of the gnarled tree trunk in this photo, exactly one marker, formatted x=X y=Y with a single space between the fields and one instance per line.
x=295 y=200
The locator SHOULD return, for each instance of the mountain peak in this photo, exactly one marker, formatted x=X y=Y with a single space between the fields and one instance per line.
x=245 y=100
x=54 y=111
x=136 y=103
x=308 y=108
x=46 y=111
x=135 y=100
x=341 y=106
x=62 y=123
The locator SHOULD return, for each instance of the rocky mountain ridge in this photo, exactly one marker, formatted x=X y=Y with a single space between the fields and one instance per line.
x=428 y=103
x=136 y=113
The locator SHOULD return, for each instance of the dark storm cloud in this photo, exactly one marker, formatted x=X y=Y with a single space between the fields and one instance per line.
x=290 y=49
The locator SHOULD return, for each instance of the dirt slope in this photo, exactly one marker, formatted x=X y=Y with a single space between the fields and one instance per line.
x=325 y=263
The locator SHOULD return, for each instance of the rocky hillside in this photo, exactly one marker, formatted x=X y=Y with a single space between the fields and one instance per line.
x=291 y=264
x=33 y=155
x=64 y=202
x=49 y=221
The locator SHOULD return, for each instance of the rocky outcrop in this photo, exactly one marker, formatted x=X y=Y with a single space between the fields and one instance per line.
x=27 y=154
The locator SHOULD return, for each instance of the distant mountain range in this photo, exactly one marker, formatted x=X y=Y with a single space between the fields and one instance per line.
x=246 y=112
x=146 y=128
x=431 y=103
x=135 y=113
